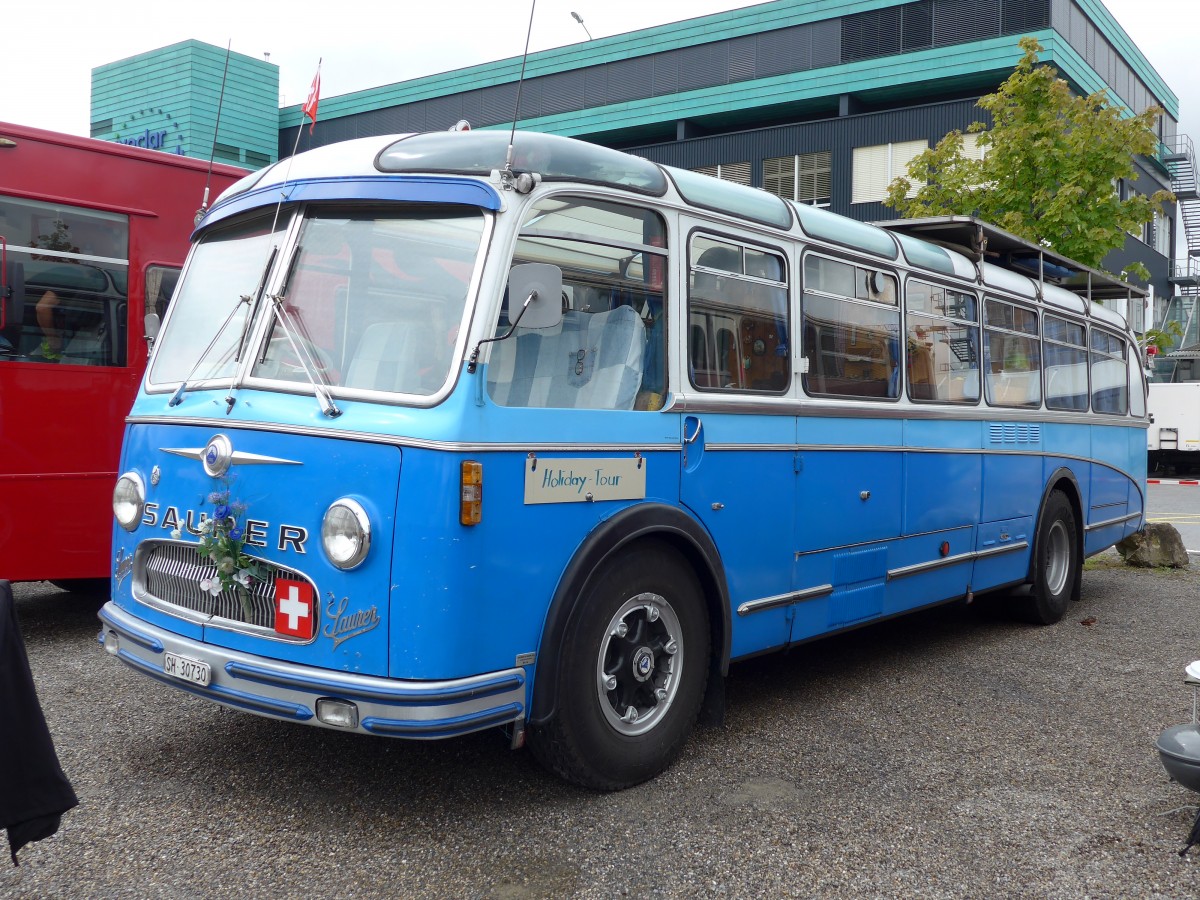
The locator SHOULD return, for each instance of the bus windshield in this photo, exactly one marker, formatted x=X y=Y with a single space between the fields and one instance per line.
x=211 y=311
x=375 y=300
x=369 y=300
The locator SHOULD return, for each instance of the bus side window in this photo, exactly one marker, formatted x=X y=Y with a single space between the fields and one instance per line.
x=852 y=330
x=739 y=317
x=1012 y=354
x=942 y=343
x=1065 y=346
x=1110 y=385
x=609 y=350
x=66 y=285
x=160 y=287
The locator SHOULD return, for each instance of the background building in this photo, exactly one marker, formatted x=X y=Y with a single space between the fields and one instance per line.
x=821 y=101
x=168 y=100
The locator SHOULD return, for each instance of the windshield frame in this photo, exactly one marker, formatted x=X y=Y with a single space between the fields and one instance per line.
x=286 y=258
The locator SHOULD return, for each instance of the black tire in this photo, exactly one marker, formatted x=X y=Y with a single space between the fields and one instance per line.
x=82 y=585
x=1056 y=568
x=633 y=673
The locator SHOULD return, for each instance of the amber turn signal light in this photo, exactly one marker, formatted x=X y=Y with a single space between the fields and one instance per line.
x=470 y=507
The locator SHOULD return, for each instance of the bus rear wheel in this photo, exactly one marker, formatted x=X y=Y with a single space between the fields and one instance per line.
x=1056 y=567
x=633 y=673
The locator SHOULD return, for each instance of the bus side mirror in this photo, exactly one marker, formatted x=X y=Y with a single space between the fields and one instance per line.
x=151 y=326
x=544 y=283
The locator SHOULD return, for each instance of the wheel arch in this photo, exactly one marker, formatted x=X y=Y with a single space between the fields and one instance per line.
x=646 y=521
x=1062 y=479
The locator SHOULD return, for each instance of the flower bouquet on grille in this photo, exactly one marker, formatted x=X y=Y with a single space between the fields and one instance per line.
x=223 y=543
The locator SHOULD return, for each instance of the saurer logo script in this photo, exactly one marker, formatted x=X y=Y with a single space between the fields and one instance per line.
x=342 y=625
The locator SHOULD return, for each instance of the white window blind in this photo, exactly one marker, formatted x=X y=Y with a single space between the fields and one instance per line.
x=875 y=167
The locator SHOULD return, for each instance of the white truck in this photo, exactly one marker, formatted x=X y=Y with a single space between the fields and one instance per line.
x=1173 y=438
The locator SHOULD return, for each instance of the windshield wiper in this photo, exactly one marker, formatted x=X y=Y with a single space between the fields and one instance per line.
x=307 y=361
x=249 y=300
x=236 y=381
x=258 y=293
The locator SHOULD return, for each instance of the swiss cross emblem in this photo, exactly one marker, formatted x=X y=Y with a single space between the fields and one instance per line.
x=294 y=608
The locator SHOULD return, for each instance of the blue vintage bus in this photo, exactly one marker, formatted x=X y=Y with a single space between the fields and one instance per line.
x=454 y=431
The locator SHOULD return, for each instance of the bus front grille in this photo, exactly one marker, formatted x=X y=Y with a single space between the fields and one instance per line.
x=168 y=574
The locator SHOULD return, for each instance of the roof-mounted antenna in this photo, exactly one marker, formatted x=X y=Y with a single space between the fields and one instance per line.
x=212 y=155
x=507 y=176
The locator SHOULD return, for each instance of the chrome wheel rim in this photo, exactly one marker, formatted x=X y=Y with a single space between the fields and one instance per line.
x=1058 y=557
x=640 y=660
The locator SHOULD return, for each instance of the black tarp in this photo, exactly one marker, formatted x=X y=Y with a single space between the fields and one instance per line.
x=34 y=792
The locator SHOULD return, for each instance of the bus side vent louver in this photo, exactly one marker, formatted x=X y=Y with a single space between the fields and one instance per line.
x=1014 y=433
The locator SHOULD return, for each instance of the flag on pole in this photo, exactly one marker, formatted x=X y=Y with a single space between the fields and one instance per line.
x=314 y=97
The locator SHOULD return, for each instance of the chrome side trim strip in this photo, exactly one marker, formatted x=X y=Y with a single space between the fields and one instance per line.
x=892 y=409
x=398 y=441
x=904 y=537
x=753 y=606
x=918 y=568
x=1120 y=520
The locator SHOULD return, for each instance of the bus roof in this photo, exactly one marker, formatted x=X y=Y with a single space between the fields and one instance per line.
x=19 y=134
x=981 y=242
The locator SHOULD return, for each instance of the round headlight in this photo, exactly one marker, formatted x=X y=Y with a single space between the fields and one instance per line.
x=129 y=500
x=346 y=533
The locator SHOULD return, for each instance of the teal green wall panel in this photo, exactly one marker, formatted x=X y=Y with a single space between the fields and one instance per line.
x=175 y=91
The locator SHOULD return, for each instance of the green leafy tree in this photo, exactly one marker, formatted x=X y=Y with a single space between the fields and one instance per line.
x=1048 y=169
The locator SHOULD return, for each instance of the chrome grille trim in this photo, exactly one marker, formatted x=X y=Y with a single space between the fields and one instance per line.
x=167 y=576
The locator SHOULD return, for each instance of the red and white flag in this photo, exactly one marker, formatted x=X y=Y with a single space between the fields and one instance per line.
x=314 y=97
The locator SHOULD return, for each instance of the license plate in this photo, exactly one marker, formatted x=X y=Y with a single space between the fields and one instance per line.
x=185 y=669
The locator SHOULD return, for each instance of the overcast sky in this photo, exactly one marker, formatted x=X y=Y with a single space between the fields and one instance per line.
x=50 y=50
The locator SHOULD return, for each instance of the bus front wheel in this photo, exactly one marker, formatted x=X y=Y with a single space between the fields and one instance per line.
x=634 y=670
x=1056 y=565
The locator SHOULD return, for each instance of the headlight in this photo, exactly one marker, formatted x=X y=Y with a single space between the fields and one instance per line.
x=129 y=499
x=346 y=533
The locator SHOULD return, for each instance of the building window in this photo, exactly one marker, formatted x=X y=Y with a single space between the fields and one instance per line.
x=1162 y=233
x=804 y=178
x=738 y=173
x=875 y=167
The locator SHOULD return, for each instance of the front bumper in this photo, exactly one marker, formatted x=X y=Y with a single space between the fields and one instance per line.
x=387 y=707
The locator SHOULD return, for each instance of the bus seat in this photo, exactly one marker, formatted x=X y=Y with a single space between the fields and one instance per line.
x=522 y=369
x=590 y=360
x=920 y=374
x=618 y=339
x=377 y=361
x=1015 y=388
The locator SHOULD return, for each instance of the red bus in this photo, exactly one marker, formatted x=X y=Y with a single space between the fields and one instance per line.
x=92 y=237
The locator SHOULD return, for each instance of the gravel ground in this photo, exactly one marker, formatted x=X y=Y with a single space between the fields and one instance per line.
x=950 y=754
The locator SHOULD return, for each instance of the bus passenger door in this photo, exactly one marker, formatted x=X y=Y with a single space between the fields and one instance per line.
x=738 y=479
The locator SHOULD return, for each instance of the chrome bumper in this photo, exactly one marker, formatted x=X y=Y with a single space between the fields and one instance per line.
x=387 y=707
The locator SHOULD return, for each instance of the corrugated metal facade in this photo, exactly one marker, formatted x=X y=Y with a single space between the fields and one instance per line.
x=923 y=95
x=838 y=135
